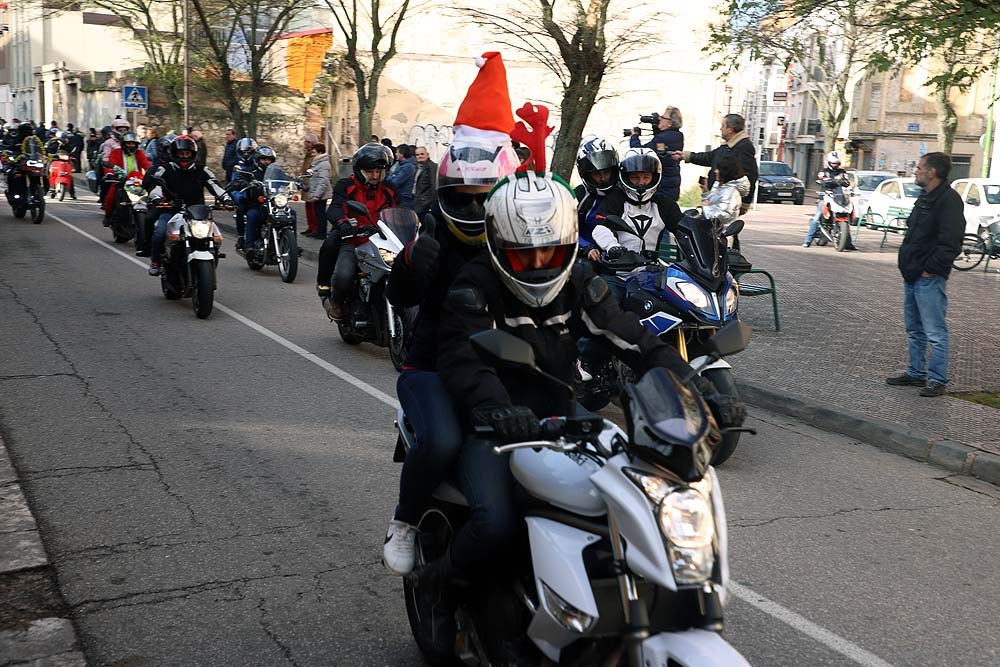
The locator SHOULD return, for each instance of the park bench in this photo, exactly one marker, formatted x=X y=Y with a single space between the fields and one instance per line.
x=893 y=221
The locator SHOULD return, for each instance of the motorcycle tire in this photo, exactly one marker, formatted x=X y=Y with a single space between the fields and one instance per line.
x=399 y=344
x=725 y=383
x=20 y=211
x=169 y=291
x=288 y=256
x=844 y=238
x=203 y=291
x=60 y=191
x=432 y=541
x=348 y=336
x=252 y=262
x=121 y=239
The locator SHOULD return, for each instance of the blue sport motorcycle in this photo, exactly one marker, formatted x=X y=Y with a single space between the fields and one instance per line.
x=684 y=303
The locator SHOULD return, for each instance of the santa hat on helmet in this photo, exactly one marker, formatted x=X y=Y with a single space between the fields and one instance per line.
x=485 y=114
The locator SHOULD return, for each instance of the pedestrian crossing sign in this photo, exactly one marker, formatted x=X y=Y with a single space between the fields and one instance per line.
x=134 y=97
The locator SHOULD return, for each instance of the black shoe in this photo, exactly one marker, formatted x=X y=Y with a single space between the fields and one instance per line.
x=142 y=253
x=933 y=389
x=239 y=243
x=905 y=380
x=106 y=222
x=435 y=600
x=806 y=244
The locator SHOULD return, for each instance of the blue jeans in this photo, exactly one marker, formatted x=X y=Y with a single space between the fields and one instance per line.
x=814 y=222
x=925 y=306
x=486 y=481
x=159 y=236
x=430 y=411
x=252 y=230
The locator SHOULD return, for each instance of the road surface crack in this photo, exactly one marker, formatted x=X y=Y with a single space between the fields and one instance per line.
x=737 y=523
x=284 y=648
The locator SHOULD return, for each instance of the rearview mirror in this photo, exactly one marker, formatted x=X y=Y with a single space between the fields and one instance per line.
x=500 y=347
x=730 y=339
x=357 y=208
x=734 y=228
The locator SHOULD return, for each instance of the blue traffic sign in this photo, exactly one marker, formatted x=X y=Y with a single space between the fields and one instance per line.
x=134 y=97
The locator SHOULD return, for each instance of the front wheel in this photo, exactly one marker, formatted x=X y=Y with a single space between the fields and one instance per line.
x=60 y=191
x=399 y=342
x=348 y=335
x=20 y=211
x=288 y=256
x=725 y=383
x=203 y=294
x=972 y=253
x=844 y=236
x=798 y=202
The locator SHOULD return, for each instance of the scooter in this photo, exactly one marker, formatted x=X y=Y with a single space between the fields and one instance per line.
x=60 y=175
x=837 y=214
x=571 y=593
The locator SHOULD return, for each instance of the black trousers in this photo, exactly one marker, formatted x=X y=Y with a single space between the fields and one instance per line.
x=338 y=262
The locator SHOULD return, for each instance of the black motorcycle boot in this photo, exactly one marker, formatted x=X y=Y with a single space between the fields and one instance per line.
x=436 y=584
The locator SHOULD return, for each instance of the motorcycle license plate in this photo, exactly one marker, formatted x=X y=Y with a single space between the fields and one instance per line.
x=784 y=194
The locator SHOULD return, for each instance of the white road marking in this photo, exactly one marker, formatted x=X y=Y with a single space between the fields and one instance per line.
x=829 y=639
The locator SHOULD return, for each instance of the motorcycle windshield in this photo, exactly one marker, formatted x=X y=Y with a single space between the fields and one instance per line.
x=276 y=181
x=840 y=196
x=700 y=246
x=402 y=222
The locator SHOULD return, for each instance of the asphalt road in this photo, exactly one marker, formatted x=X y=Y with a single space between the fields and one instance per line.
x=211 y=494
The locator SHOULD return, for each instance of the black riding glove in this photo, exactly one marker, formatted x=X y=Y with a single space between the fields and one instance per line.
x=615 y=252
x=345 y=227
x=510 y=423
x=727 y=410
x=424 y=252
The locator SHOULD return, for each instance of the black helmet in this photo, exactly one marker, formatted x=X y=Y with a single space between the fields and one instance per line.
x=246 y=146
x=187 y=146
x=163 y=145
x=265 y=153
x=371 y=156
x=130 y=143
x=24 y=130
x=596 y=154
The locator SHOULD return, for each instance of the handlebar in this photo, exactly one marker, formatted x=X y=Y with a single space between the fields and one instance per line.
x=563 y=434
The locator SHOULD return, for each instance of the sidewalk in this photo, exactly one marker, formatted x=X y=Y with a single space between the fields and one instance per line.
x=842 y=334
x=34 y=628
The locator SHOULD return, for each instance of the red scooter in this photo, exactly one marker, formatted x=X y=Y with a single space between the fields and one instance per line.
x=60 y=175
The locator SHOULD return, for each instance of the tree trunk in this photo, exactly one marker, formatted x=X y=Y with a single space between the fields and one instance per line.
x=947 y=120
x=577 y=101
x=365 y=114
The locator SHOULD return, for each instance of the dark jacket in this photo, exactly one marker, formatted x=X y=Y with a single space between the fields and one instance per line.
x=229 y=157
x=663 y=143
x=425 y=186
x=742 y=147
x=407 y=288
x=477 y=301
x=588 y=203
x=402 y=179
x=933 y=233
x=187 y=186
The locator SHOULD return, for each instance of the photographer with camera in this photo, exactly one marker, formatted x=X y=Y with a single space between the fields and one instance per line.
x=667 y=138
x=736 y=142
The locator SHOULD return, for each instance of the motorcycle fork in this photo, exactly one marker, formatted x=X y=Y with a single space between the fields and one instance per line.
x=636 y=617
x=274 y=238
x=682 y=348
x=391 y=315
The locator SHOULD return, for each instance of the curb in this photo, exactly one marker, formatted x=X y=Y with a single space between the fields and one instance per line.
x=40 y=641
x=955 y=457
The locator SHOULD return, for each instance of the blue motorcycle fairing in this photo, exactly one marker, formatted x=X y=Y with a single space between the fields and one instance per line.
x=649 y=281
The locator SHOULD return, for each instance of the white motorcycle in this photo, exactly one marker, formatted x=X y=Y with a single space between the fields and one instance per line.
x=625 y=561
x=837 y=214
x=190 y=258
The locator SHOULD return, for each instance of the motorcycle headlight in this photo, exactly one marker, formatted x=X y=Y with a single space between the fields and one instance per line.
x=732 y=298
x=693 y=293
x=687 y=522
x=281 y=201
x=200 y=229
x=35 y=164
x=388 y=256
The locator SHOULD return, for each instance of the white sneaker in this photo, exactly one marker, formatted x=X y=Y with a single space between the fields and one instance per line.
x=399 y=551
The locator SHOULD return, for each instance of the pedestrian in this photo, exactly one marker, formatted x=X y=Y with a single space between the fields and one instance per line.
x=402 y=177
x=308 y=141
x=229 y=155
x=667 y=139
x=386 y=141
x=733 y=130
x=373 y=139
x=320 y=190
x=201 y=157
x=933 y=239
x=150 y=144
x=76 y=147
x=424 y=182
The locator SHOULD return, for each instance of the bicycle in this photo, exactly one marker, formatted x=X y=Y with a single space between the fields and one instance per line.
x=976 y=246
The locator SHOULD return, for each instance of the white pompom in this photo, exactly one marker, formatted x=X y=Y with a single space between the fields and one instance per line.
x=480 y=61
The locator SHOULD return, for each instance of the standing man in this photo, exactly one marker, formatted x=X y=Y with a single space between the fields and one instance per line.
x=933 y=240
x=201 y=159
x=733 y=131
x=668 y=139
x=229 y=155
x=425 y=182
x=402 y=177
x=320 y=190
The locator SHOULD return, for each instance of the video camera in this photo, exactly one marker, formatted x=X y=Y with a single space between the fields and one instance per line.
x=652 y=119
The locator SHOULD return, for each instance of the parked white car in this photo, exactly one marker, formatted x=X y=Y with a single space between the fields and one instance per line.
x=982 y=201
x=864 y=183
x=893 y=198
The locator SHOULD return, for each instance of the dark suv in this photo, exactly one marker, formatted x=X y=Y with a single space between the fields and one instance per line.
x=777 y=183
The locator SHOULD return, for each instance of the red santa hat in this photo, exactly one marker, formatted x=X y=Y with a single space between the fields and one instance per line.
x=485 y=114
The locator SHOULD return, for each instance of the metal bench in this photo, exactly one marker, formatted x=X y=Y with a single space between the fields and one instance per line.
x=893 y=221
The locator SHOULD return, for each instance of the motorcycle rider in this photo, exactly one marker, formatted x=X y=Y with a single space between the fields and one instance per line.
x=245 y=148
x=528 y=284
x=367 y=185
x=61 y=143
x=128 y=157
x=24 y=145
x=597 y=164
x=251 y=168
x=119 y=126
x=834 y=172
x=180 y=180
